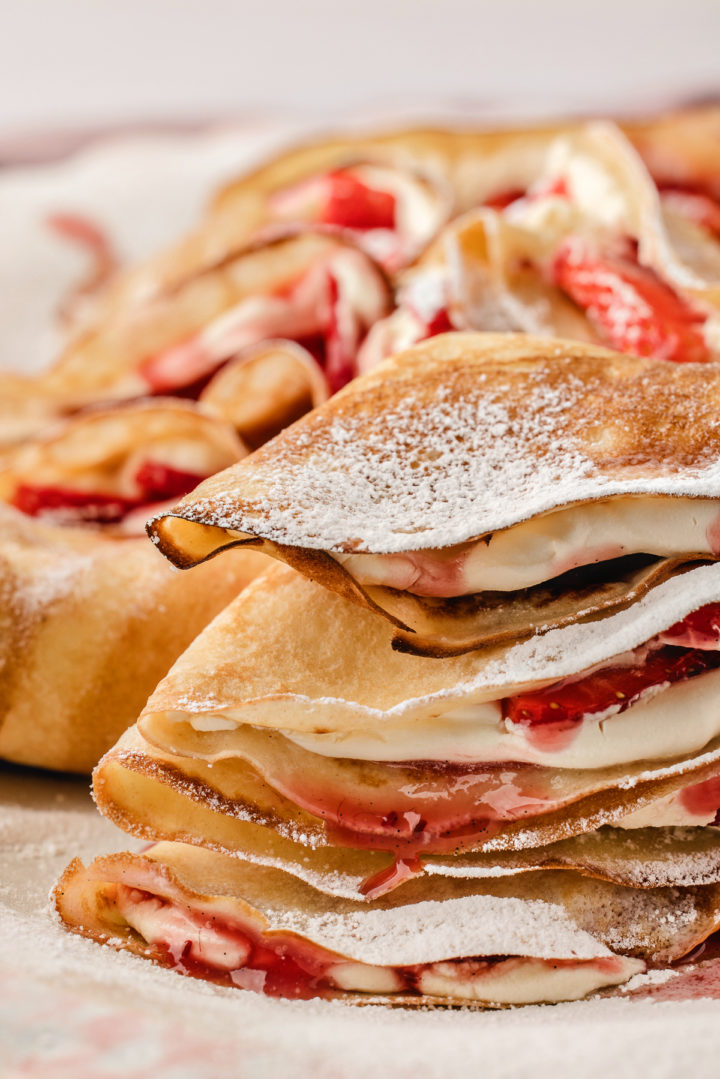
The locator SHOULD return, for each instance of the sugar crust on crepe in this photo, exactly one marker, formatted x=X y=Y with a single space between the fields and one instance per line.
x=288 y=654
x=467 y=434
x=546 y=915
x=460 y=437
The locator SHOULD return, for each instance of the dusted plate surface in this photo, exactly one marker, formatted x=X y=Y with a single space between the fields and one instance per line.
x=70 y=1009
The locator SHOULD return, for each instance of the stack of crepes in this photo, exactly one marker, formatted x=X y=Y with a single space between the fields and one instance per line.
x=463 y=743
x=307 y=271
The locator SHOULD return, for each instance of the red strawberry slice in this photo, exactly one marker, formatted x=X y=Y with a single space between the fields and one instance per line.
x=502 y=199
x=630 y=307
x=701 y=629
x=159 y=481
x=62 y=503
x=568 y=702
x=351 y=204
x=439 y=323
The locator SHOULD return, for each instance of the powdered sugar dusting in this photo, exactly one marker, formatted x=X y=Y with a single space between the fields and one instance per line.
x=441 y=445
x=429 y=931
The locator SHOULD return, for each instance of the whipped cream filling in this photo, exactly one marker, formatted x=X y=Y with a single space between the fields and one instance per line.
x=548 y=546
x=667 y=722
x=526 y=981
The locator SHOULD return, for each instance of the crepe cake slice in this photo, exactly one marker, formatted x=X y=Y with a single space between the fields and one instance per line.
x=529 y=938
x=292 y=712
x=90 y=617
x=480 y=488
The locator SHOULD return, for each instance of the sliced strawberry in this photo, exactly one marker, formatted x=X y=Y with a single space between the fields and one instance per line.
x=568 y=702
x=439 y=323
x=158 y=481
x=62 y=503
x=701 y=629
x=352 y=204
x=502 y=199
x=631 y=308
x=557 y=187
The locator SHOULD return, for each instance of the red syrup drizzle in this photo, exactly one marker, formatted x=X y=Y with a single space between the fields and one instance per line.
x=631 y=307
x=157 y=482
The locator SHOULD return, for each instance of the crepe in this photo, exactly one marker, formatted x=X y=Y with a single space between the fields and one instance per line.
x=466 y=168
x=479 y=488
x=529 y=938
x=110 y=467
x=91 y=616
x=592 y=250
x=266 y=388
x=271 y=721
x=314 y=288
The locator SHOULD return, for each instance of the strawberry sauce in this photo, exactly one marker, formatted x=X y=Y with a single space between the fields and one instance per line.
x=202 y=944
x=420 y=807
x=156 y=481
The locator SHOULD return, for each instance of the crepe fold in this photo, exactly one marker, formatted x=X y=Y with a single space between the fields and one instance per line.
x=313 y=287
x=453 y=443
x=437 y=941
x=91 y=618
x=220 y=757
x=472 y=166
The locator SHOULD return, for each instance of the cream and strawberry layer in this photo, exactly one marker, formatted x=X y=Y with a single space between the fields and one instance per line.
x=545 y=547
x=392 y=213
x=328 y=310
x=445 y=784
x=574 y=230
x=203 y=944
x=123 y=494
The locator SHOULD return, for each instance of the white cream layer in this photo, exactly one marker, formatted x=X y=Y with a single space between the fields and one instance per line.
x=516 y=980
x=668 y=722
x=545 y=547
x=527 y=981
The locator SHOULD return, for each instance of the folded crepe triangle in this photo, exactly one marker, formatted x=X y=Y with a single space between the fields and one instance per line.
x=453 y=489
